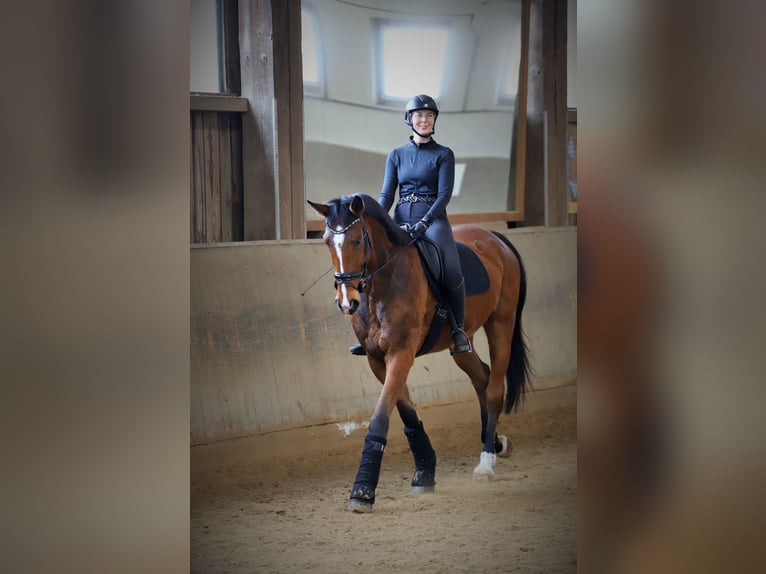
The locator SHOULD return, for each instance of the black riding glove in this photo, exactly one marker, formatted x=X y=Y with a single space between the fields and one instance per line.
x=419 y=229
x=406 y=227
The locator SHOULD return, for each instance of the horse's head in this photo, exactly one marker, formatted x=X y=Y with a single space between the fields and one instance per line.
x=349 y=244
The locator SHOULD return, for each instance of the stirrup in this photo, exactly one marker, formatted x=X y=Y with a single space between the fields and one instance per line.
x=461 y=342
x=357 y=350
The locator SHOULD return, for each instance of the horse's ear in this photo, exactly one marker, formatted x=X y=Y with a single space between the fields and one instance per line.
x=357 y=205
x=321 y=208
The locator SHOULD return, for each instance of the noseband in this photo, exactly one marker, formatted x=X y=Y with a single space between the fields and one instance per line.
x=346 y=278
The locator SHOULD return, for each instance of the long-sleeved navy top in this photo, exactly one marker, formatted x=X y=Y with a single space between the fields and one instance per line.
x=425 y=169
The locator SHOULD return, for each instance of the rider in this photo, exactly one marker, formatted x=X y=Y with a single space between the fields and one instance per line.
x=424 y=172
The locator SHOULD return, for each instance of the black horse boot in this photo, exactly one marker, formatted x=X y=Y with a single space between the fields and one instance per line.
x=457 y=304
x=357 y=349
x=424 y=477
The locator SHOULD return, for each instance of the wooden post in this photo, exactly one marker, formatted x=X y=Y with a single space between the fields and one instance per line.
x=272 y=129
x=288 y=92
x=232 y=80
x=534 y=181
x=555 y=97
x=258 y=123
x=517 y=177
x=297 y=187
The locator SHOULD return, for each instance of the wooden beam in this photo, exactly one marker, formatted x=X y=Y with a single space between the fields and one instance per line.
x=212 y=180
x=281 y=32
x=454 y=219
x=298 y=192
x=517 y=177
x=232 y=81
x=272 y=131
x=238 y=233
x=288 y=86
x=226 y=179
x=217 y=103
x=198 y=234
x=259 y=125
x=534 y=173
x=555 y=97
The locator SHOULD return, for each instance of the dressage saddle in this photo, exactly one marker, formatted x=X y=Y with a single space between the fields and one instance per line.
x=476 y=282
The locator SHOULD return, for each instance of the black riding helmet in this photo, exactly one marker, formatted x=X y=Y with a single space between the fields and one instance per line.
x=420 y=102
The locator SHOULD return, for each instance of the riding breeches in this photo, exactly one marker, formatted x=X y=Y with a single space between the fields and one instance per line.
x=440 y=232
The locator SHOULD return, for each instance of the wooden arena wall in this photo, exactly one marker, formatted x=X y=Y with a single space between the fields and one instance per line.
x=265 y=358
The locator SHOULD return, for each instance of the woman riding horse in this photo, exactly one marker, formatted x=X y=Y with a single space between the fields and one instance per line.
x=381 y=283
x=424 y=172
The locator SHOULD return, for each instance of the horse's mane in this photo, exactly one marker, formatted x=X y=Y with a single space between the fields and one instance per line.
x=341 y=213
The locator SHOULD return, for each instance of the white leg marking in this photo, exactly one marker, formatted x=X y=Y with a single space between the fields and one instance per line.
x=486 y=465
x=338 y=241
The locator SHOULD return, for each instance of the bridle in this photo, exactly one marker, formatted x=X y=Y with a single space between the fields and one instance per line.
x=346 y=278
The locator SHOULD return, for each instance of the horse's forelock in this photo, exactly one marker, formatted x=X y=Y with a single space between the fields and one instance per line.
x=340 y=214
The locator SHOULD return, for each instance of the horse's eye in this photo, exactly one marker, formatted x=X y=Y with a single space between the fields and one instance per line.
x=357 y=241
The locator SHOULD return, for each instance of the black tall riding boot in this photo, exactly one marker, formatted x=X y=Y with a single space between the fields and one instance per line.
x=457 y=304
x=357 y=349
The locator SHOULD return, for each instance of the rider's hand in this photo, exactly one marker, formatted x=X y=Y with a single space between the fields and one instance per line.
x=406 y=227
x=419 y=229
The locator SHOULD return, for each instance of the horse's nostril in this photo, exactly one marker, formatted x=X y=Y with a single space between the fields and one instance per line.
x=353 y=306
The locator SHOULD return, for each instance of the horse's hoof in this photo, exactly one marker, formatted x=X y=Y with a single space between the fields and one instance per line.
x=423 y=481
x=505 y=452
x=359 y=506
x=485 y=468
x=423 y=489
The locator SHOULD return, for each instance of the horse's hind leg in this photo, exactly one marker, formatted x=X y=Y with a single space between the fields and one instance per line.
x=424 y=476
x=499 y=339
x=479 y=373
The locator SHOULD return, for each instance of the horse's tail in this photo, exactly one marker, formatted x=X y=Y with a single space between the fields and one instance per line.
x=518 y=375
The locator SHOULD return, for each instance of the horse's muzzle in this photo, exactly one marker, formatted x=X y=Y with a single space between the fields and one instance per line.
x=353 y=305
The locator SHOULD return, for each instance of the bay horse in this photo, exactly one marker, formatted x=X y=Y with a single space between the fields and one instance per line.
x=381 y=282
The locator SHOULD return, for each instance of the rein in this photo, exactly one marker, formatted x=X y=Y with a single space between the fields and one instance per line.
x=364 y=282
x=346 y=278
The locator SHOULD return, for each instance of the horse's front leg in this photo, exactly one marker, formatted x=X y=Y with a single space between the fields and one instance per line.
x=363 y=492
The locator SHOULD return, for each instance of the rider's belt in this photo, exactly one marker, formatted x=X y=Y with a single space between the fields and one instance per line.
x=415 y=198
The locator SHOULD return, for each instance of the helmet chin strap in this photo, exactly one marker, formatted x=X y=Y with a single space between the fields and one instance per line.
x=423 y=135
